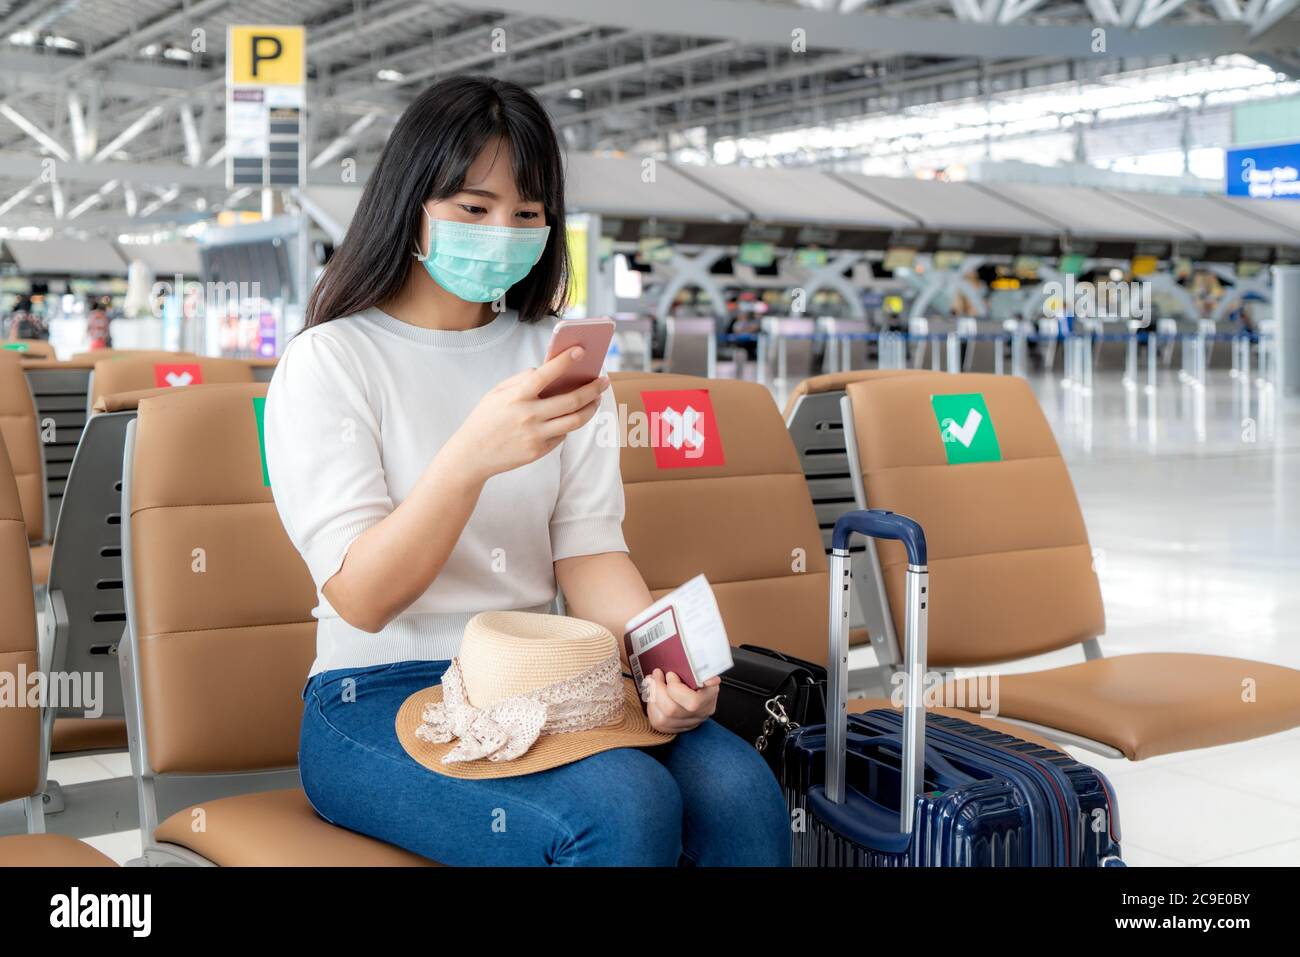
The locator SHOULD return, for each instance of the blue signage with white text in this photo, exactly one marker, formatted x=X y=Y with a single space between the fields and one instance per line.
x=1264 y=172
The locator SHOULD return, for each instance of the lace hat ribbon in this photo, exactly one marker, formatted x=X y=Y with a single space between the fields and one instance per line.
x=506 y=729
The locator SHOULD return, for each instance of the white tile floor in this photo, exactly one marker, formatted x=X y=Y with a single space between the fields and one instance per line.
x=1195 y=513
x=1198 y=527
x=121 y=846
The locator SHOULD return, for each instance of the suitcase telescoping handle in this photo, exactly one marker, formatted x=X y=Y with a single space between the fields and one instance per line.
x=878 y=523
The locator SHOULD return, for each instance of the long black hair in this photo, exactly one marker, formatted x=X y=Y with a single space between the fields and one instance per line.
x=427 y=157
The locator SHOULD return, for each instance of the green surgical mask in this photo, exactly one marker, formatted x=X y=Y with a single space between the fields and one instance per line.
x=479 y=263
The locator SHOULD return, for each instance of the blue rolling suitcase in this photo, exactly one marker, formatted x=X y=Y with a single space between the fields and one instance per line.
x=884 y=789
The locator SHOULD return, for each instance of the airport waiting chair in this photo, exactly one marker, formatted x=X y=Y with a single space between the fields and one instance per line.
x=1011 y=577
x=22 y=756
x=746 y=524
x=85 y=615
x=59 y=391
x=18 y=424
x=85 y=609
x=29 y=348
x=93 y=356
x=135 y=373
x=812 y=417
x=213 y=663
x=59 y=388
x=87 y=360
x=83 y=624
x=263 y=369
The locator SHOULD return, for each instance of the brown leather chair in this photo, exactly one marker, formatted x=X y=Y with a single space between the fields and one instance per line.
x=95 y=355
x=126 y=401
x=812 y=416
x=1011 y=576
x=29 y=348
x=132 y=373
x=747 y=525
x=18 y=425
x=22 y=765
x=59 y=390
x=87 y=360
x=214 y=662
x=834 y=383
x=263 y=369
x=81 y=735
x=85 y=604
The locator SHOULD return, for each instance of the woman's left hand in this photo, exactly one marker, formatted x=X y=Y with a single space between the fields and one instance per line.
x=673 y=707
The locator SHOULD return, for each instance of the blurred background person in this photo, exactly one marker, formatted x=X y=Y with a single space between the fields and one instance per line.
x=25 y=324
x=97 y=327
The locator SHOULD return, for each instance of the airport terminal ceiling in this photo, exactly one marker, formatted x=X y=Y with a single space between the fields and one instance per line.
x=127 y=95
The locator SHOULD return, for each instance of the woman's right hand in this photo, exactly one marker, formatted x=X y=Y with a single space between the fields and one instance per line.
x=511 y=426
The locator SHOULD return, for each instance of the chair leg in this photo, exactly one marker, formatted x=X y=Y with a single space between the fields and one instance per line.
x=34 y=807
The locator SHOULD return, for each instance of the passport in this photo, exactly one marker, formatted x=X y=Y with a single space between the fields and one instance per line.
x=681 y=633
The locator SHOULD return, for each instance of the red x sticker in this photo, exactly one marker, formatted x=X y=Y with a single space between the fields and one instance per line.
x=177 y=373
x=683 y=430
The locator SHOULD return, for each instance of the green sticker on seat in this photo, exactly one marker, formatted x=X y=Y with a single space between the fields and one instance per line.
x=966 y=428
x=17 y=346
x=259 y=410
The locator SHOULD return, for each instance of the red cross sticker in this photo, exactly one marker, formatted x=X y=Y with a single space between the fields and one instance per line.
x=171 y=374
x=683 y=429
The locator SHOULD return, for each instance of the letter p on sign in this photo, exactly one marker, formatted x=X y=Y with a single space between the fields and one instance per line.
x=266 y=56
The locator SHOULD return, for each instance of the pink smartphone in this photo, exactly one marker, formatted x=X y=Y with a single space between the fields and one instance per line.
x=594 y=336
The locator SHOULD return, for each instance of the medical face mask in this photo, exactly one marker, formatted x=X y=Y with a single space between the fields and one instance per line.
x=479 y=263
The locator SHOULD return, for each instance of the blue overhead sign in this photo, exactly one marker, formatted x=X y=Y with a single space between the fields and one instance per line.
x=1265 y=172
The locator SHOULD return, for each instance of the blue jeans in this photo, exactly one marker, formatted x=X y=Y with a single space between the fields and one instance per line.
x=706 y=798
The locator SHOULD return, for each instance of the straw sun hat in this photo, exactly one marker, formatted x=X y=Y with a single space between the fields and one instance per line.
x=526 y=693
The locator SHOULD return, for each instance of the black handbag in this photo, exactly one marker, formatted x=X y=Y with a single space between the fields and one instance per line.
x=766 y=695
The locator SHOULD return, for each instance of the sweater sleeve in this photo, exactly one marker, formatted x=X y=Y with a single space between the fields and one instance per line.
x=323 y=453
x=588 y=514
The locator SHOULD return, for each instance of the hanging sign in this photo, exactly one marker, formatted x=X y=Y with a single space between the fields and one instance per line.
x=266 y=73
x=1264 y=172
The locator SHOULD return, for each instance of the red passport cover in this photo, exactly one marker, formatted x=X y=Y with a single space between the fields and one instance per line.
x=657 y=643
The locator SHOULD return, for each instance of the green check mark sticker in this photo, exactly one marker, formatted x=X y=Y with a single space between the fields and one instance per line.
x=259 y=412
x=966 y=428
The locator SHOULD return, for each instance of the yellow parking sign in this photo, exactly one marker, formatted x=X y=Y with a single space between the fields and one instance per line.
x=265 y=56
